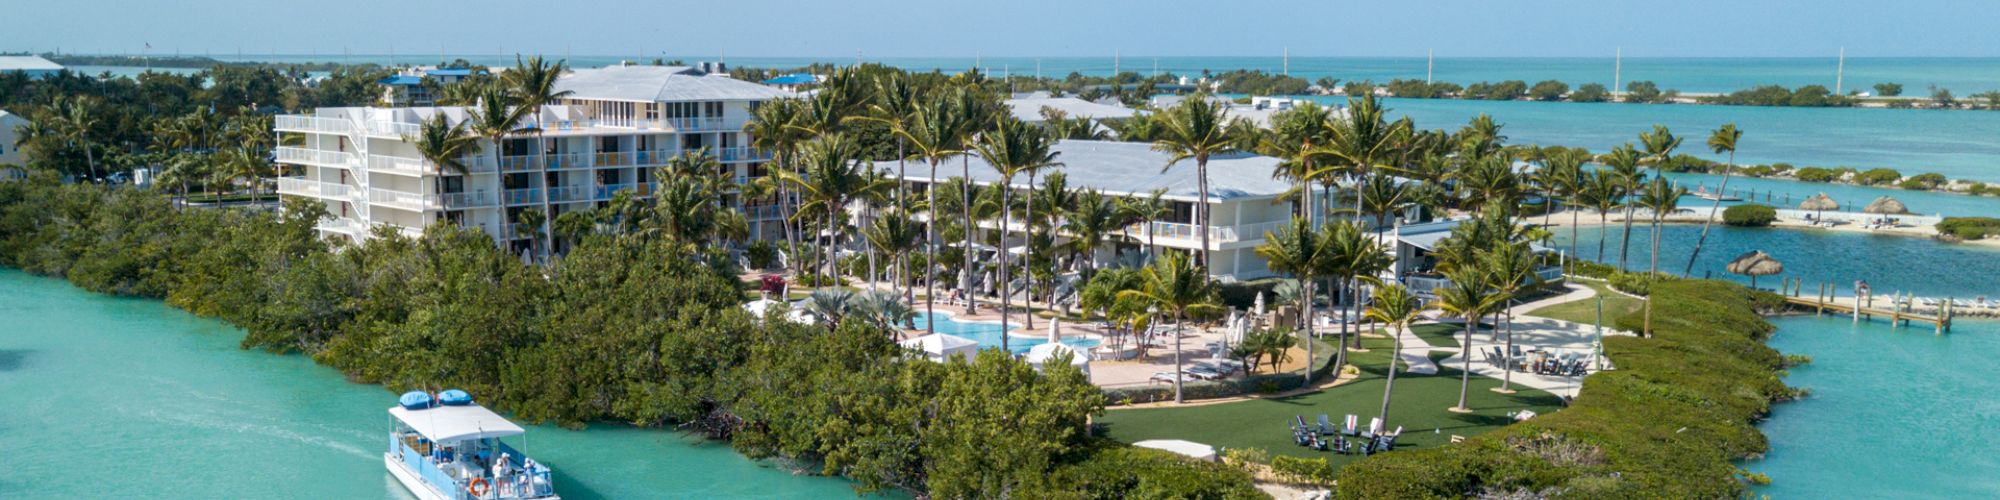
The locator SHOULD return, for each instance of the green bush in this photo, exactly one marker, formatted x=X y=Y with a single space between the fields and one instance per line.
x=1638 y=283
x=761 y=254
x=1314 y=471
x=1969 y=228
x=1668 y=423
x=1749 y=215
x=1878 y=177
x=1816 y=174
x=1924 y=181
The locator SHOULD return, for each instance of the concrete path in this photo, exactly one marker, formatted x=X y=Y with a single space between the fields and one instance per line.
x=1417 y=354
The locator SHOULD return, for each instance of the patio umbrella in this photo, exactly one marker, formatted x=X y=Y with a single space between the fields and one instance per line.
x=1754 y=264
x=1819 y=203
x=1886 y=206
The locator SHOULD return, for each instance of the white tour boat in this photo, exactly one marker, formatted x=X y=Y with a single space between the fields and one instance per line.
x=448 y=448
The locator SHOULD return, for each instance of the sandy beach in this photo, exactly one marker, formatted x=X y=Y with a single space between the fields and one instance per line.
x=1591 y=219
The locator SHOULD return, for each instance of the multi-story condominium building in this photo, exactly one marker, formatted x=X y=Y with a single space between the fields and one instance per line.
x=10 y=151
x=1243 y=199
x=614 y=127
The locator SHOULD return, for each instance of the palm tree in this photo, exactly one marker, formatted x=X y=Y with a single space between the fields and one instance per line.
x=1723 y=140
x=1298 y=249
x=1363 y=139
x=934 y=130
x=1175 y=286
x=75 y=119
x=1295 y=135
x=1146 y=211
x=895 y=234
x=530 y=221
x=1356 y=259
x=1013 y=148
x=828 y=179
x=533 y=82
x=1090 y=221
x=1396 y=307
x=1661 y=198
x=1195 y=129
x=1383 y=196
x=1469 y=296
x=1660 y=144
x=1602 y=192
x=1055 y=198
x=1624 y=163
x=772 y=127
x=247 y=164
x=1564 y=175
x=1512 y=267
x=444 y=144
x=495 y=117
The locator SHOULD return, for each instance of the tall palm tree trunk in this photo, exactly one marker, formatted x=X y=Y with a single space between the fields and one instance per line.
x=1652 y=270
x=1712 y=208
x=931 y=242
x=1625 y=248
x=1395 y=356
x=1465 y=351
x=1201 y=210
x=1603 y=219
x=1306 y=304
x=965 y=275
x=1180 y=321
x=1006 y=264
x=1507 y=370
x=1028 y=258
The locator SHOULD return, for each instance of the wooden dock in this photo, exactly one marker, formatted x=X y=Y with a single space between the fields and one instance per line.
x=1899 y=312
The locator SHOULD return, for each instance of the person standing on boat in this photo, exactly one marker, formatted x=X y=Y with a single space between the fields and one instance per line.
x=502 y=477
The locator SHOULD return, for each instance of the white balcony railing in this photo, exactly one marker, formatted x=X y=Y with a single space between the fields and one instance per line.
x=307 y=187
x=475 y=199
x=569 y=193
x=313 y=124
x=1216 y=234
x=394 y=129
x=398 y=165
x=523 y=196
x=568 y=161
x=314 y=157
x=741 y=153
x=401 y=199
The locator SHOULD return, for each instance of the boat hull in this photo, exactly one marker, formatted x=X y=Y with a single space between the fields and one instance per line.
x=411 y=481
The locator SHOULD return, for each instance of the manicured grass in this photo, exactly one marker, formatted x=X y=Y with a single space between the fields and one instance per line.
x=1442 y=335
x=1419 y=406
x=1585 y=311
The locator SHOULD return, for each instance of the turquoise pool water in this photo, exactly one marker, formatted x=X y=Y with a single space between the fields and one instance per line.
x=103 y=397
x=988 y=334
x=1894 y=413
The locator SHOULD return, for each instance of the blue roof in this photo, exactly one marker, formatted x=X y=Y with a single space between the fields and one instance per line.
x=792 y=79
x=403 y=80
x=450 y=72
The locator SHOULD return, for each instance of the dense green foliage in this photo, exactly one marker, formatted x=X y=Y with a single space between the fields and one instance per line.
x=1878 y=177
x=1970 y=228
x=1749 y=215
x=1548 y=90
x=1665 y=424
x=1888 y=89
x=1501 y=91
x=1816 y=174
x=1646 y=91
x=1638 y=283
x=627 y=327
x=1590 y=92
x=1774 y=95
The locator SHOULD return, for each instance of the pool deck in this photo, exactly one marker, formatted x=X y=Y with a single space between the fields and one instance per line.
x=1104 y=373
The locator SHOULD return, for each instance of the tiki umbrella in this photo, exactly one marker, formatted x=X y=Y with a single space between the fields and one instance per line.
x=1819 y=203
x=1886 y=206
x=1755 y=264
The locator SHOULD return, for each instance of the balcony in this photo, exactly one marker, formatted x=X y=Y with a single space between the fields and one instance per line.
x=523 y=163
x=312 y=124
x=763 y=212
x=298 y=186
x=568 y=161
x=523 y=196
x=1192 y=232
x=314 y=157
x=398 y=165
x=561 y=194
x=394 y=129
x=654 y=157
x=401 y=199
x=607 y=191
x=477 y=199
x=741 y=154
x=614 y=159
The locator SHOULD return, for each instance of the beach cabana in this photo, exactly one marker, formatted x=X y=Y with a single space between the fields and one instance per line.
x=1189 y=449
x=1886 y=206
x=1819 y=203
x=1754 y=264
x=1041 y=355
x=941 y=347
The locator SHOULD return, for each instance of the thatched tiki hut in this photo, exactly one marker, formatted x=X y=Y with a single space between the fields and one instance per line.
x=1754 y=264
x=1819 y=203
x=1886 y=206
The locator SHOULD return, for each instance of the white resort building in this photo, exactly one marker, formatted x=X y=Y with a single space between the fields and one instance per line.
x=606 y=136
x=1243 y=198
x=10 y=152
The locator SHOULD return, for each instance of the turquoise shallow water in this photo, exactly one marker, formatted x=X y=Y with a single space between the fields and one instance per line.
x=1894 y=413
x=1889 y=263
x=104 y=397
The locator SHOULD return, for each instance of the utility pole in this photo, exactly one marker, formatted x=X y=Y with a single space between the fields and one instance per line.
x=1617 y=72
x=1156 y=66
x=1038 y=68
x=1840 y=71
x=1288 y=61
x=1114 y=62
x=1430 y=65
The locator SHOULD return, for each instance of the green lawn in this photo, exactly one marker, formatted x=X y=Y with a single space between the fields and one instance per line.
x=1585 y=311
x=1439 y=334
x=1419 y=406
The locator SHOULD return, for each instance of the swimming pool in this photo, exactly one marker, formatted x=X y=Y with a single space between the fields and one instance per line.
x=988 y=334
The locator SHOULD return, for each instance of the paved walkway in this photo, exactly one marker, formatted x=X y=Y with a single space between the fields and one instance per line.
x=1530 y=332
x=1417 y=354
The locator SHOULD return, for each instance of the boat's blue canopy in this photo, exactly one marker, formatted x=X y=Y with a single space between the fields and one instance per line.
x=415 y=400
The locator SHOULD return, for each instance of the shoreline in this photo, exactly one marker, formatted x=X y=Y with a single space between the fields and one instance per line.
x=1590 y=220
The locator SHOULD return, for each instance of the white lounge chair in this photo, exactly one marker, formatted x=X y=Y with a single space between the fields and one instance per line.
x=1351 y=422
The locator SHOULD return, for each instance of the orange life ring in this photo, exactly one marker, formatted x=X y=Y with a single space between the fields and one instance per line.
x=477 y=488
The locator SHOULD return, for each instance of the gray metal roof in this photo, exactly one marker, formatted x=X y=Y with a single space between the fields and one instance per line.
x=661 y=84
x=1029 y=109
x=1131 y=168
x=27 y=63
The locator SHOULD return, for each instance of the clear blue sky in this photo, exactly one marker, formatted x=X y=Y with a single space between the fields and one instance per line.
x=892 y=28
